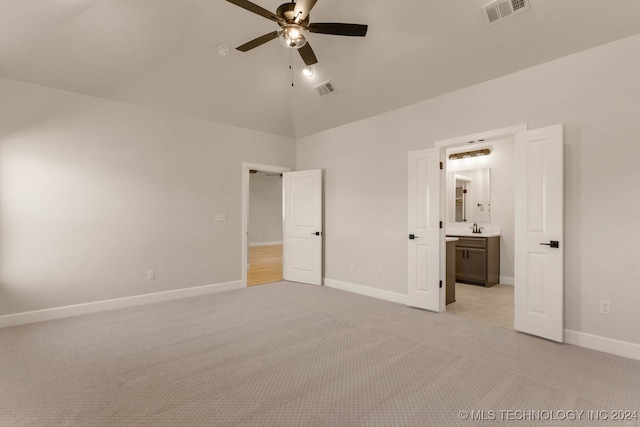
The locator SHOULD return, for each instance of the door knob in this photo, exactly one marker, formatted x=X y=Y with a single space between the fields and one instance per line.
x=553 y=244
x=413 y=237
x=317 y=233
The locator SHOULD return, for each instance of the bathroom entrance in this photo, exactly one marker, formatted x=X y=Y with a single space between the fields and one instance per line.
x=479 y=211
x=538 y=224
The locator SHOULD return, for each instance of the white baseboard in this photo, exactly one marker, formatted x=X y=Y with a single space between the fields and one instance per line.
x=367 y=291
x=112 y=304
x=607 y=345
x=504 y=280
x=265 y=243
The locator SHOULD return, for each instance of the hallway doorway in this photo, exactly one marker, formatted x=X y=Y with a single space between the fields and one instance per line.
x=262 y=248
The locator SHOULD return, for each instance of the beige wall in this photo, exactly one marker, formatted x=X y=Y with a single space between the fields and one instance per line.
x=94 y=193
x=594 y=93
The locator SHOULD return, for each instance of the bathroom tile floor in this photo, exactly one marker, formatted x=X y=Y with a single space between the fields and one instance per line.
x=490 y=305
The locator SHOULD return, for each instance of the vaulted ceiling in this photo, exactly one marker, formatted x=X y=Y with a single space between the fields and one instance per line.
x=162 y=54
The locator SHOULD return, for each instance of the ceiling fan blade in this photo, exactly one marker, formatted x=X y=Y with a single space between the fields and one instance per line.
x=307 y=55
x=257 y=42
x=302 y=9
x=337 y=29
x=245 y=4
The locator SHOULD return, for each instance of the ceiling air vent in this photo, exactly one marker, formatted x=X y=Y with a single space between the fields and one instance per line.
x=325 y=88
x=498 y=10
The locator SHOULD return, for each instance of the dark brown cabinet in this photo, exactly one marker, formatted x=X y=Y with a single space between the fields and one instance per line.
x=451 y=273
x=478 y=260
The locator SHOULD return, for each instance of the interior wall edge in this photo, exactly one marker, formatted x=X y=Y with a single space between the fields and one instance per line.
x=265 y=243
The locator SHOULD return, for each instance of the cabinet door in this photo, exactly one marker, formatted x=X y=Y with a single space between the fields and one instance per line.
x=476 y=264
x=461 y=264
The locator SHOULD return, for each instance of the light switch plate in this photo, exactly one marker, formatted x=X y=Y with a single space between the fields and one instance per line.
x=220 y=217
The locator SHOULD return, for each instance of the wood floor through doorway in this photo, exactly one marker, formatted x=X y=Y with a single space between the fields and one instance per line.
x=265 y=265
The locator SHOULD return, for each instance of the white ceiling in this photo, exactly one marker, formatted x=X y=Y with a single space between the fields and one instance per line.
x=162 y=54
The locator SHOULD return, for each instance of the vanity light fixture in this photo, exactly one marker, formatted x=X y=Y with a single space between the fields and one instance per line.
x=467 y=154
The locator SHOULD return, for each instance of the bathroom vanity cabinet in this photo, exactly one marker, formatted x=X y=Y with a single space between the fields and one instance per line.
x=478 y=260
x=451 y=271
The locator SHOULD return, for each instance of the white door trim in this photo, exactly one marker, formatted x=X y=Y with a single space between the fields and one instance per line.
x=245 y=207
x=486 y=136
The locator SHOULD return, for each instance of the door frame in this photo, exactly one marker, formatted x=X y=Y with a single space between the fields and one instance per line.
x=497 y=134
x=246 y=177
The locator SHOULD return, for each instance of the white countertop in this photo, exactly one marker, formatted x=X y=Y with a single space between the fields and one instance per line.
x=451 y=239
x=466 y=232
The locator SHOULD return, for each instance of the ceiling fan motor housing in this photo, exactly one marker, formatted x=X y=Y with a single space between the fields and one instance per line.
x=286 y=12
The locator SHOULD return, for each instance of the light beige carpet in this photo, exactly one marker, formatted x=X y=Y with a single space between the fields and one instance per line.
x=290 y=354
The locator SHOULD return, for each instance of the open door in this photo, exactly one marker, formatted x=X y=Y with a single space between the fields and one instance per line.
x=424 y=229
x=302 y=230
x=539 y=233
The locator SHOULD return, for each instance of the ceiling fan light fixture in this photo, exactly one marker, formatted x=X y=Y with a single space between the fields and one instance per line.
x=292 y=36
x=307 y=71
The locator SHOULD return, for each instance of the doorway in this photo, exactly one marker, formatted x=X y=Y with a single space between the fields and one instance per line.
x=480 y=191
x=538 y=229
x=262 y=260
x=265 y=228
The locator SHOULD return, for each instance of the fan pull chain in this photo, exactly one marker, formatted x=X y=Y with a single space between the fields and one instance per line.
x=291 y=64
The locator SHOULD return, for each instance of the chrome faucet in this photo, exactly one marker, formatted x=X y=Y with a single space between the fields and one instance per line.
x=475 y=229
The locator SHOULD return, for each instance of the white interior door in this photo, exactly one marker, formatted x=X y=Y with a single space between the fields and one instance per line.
x=302 y=230
x=539 y=233
x=424 y=229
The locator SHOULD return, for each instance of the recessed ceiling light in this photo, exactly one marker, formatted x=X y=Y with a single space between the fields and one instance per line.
x=307 y=71
x=223 y=50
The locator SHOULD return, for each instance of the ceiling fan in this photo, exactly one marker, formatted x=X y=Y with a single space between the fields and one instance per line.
x=293 y=19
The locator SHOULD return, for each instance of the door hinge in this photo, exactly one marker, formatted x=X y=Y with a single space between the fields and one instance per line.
x=440 y=283
x=441 y=165
x=441 y=225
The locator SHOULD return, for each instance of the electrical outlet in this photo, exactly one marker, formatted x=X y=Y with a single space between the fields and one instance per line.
x=605 y=307
x=352 y=266
x=151 y=275
x=379 y=272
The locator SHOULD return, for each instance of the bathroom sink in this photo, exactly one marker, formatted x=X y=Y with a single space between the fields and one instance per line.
x=466 y=232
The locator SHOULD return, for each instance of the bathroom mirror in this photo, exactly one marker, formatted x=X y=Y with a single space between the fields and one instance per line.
x=469 y=195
